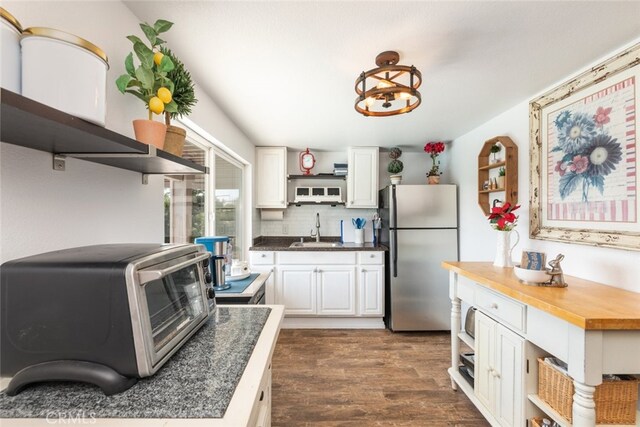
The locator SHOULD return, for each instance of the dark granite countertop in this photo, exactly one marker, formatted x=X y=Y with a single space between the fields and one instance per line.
x=197 y=382
x=282 y=243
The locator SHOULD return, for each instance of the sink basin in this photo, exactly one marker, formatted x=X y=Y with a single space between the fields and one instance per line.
x=315 y=245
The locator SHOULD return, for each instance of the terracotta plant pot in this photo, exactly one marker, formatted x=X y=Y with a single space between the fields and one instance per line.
x=433 y=179
x=150 y=132
x=174 y=141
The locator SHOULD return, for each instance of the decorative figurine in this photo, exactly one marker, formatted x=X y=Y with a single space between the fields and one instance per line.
x=557 y=276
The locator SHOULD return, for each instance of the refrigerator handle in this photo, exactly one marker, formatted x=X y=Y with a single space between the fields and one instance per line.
x=393 y=232
x=393 y=235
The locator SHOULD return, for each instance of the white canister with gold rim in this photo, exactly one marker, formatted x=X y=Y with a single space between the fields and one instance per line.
x=10 y=31
x=65 y=72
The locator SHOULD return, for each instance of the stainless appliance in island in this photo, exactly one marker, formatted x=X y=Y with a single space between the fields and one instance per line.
x=420 y=226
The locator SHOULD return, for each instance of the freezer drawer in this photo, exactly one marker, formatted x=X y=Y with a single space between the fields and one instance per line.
x=419 y=295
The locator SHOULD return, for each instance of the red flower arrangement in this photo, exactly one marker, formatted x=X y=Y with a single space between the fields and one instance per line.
x=502 y=217
x=434 y=149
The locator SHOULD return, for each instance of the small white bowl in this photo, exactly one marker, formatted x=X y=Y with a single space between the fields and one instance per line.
x=533 y=277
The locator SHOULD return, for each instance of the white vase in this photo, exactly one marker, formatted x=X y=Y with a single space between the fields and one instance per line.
x=504 y=248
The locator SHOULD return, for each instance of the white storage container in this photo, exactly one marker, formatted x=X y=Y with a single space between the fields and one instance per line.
x=65 y=72
x=10 y=38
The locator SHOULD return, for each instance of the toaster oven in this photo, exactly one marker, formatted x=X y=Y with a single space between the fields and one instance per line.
x=105 y=314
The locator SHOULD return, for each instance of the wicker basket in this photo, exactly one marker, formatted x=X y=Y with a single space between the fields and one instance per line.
x=615 y=400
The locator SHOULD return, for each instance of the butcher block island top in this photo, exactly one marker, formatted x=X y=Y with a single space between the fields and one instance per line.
x=586 y=304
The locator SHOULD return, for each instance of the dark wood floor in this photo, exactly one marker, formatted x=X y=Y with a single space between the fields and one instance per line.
x=366 y=378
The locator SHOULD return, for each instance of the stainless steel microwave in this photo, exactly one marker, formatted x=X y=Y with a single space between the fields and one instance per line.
x=105 y=314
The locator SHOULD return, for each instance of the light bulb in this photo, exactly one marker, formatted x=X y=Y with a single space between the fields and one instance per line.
x=369 y=101
x=402 y=95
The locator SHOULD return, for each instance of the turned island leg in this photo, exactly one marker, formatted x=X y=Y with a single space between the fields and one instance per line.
x=455 y=325
x=584 y=407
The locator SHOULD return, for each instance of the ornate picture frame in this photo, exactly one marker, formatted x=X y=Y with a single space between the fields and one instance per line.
x=584 y=178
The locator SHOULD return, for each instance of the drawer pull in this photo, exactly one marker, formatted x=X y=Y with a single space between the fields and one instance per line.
x=494 y=305
x=261 y=395
x=263 y=255
x=372 y=256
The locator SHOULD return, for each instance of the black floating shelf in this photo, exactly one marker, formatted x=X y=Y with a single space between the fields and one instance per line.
x=30 y=124
x=340 y=177
x=316 y=203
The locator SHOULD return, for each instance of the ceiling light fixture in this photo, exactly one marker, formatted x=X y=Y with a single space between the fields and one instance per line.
x=393 y=87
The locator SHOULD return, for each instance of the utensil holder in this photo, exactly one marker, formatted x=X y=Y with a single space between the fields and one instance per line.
x=359 y=235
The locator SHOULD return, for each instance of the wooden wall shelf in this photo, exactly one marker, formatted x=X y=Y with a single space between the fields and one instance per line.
x=30 y=124
x=510 y=164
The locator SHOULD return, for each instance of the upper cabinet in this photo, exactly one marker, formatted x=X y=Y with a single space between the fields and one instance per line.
x=362 y=179
x=271 y=177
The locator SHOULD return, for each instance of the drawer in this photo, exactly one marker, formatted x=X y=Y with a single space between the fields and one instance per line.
x=505 y=309
x=261 y=258
x=466 y=291
x=371 y=257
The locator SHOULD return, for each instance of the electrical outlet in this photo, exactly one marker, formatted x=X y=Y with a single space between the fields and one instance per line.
x=285 y=228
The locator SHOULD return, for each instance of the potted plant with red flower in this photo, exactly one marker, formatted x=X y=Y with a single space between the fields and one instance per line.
x=503 y=220
x=434 y=149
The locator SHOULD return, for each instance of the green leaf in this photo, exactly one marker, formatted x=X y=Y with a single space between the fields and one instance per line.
x=135 y=39
x=166 y=64
x=145 y=55
x=171 y=107
x=123 y=81
x=128 y=65
x=138 y=95
x=161 y=26
x=568 y=183
x=150 y=33
x=159 y=41
x=145 y=76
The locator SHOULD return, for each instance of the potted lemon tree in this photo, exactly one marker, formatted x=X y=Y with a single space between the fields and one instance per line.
x=149 y=82
x=184 y=98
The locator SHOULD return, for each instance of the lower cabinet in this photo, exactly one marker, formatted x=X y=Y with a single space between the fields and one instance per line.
x=261 y=412
x=324 y=284
x=499 y=373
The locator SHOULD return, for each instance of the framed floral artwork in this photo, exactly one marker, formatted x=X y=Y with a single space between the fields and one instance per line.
x=583 y=157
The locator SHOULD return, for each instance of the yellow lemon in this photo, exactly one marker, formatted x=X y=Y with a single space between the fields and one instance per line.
x=156 y=105
x=164 y=94
x=157 y=57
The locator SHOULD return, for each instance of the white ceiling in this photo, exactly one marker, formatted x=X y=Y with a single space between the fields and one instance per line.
x=284 y=72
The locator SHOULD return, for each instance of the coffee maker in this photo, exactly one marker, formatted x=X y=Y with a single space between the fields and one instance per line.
x=218 y=246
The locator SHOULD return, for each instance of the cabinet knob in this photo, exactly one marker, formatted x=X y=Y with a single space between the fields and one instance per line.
x=364 y=270
x=494 y=305
x=263 y=256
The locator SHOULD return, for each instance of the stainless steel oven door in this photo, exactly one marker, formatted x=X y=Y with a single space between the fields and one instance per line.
x=172 y=303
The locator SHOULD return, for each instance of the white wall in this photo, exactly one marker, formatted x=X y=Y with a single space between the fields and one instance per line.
x=43 y=210
x=614 y=267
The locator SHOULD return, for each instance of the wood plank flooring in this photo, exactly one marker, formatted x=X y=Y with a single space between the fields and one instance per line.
x=366 y=378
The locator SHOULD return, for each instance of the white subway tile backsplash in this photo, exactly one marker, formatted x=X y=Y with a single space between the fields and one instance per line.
x=300 y=220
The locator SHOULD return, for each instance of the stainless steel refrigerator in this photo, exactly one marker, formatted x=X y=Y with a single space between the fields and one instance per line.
x=420 y=226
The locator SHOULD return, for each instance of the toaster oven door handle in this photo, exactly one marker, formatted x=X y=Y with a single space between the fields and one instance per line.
x=146 y=276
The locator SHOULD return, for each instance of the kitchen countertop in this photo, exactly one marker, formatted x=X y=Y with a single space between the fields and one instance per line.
x=199 y=381
x=282 y=244
x=586 y=304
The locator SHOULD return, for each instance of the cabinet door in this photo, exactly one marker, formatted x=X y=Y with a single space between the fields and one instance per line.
x=336 y=290
x=484 y=357
x=362 y=178
x=296 y=289
x=271 y=177
x=269 y=285
x=508 y=371
x=371 y=291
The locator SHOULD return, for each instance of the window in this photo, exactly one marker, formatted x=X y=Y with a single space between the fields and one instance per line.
x=207 y=205
x=185 y=201
x=228 y=199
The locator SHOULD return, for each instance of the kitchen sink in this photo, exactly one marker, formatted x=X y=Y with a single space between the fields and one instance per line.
x=315 y=245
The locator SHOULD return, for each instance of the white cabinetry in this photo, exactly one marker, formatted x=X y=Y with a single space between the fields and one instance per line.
x=343 y=287
x=362 y=178
x=296 y=289
x=499 y=370
x=271 y=177
x=336 y=290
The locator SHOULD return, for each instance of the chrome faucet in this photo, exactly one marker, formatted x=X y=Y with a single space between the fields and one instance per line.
x=317 y=233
